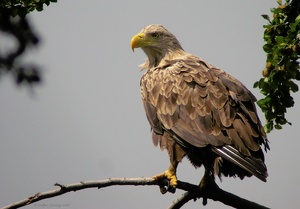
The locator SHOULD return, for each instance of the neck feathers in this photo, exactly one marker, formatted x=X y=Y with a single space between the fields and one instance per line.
x=156 y=57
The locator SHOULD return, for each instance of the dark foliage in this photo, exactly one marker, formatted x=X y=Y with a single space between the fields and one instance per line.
x=282 y=46
x=14 y=23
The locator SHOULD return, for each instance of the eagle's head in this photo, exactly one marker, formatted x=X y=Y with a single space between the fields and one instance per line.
x=158 y=44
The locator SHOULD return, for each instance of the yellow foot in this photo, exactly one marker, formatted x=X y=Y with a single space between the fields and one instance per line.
x=172 y=181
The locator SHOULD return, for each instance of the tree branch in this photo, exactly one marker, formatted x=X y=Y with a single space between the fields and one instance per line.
x=193 y=192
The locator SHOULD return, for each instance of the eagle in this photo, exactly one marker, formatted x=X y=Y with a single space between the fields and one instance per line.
x=198 y=111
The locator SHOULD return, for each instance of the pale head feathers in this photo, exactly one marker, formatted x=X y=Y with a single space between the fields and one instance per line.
x=166 y=46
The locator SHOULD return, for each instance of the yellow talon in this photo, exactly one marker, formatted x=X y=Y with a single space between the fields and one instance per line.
x=170 y=175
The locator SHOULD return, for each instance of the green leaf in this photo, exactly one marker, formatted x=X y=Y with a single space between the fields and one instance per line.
x=279 y=39
x=260 y=83
x=294 y=87
x=278 y=126
x=294 y=25
x=297 y=19
x=266 y=17
x=22 y=12
x=288 y=101
x=270 y=115
x=264 y=103
x=281 y=121
x=265 y=85
x=269 y=126
x=39 y=8
x=267 y=47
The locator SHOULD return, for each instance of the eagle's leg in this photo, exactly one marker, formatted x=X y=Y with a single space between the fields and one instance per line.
x=176 y=154
x=207 y=179
x=207 y=182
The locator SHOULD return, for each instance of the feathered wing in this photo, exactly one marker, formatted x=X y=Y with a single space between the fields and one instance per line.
x=202 y=106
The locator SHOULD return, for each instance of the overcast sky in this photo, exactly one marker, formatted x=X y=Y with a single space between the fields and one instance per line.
x=86 y=120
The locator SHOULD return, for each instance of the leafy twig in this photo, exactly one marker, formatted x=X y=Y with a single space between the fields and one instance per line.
x=282 y=47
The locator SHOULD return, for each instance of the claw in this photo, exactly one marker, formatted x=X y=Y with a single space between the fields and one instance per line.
x=170 y=175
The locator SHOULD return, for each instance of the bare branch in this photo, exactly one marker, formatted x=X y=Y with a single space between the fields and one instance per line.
x=181 y=200
x=213 y=193
x=193 y=192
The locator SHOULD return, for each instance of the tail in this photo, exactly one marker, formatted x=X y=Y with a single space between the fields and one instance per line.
x=251 y=164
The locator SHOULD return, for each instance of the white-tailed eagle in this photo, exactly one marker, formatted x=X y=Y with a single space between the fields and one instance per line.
x=198 y=110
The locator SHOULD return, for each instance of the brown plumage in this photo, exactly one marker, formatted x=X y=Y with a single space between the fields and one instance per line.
x=199 y=111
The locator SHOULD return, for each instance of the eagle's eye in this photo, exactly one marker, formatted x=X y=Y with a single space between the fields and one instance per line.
x=155 y=35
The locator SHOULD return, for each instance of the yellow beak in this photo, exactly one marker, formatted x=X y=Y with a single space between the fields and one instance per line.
x=138 y=41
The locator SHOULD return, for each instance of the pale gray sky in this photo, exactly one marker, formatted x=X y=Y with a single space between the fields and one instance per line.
x=86 y=120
